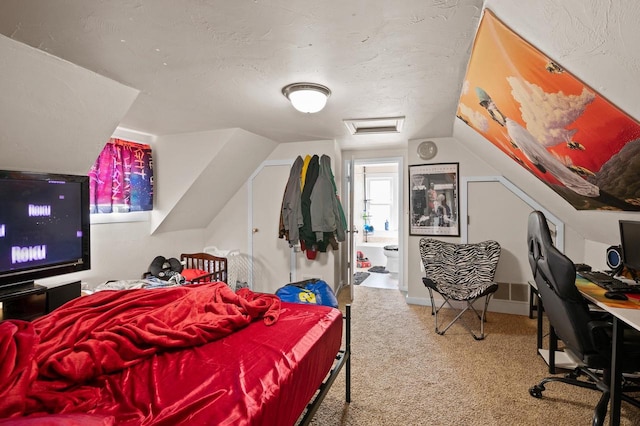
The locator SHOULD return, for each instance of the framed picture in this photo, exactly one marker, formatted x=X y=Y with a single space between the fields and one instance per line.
x=433 y=200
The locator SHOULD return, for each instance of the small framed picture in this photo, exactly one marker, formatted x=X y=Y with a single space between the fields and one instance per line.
x=433 y=200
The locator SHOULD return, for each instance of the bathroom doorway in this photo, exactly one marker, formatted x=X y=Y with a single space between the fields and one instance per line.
x=376 y=216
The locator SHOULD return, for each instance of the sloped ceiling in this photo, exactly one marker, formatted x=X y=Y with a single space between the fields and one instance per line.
x=56 y=116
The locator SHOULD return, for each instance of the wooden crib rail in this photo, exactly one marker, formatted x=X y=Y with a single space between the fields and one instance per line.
x=215 y=266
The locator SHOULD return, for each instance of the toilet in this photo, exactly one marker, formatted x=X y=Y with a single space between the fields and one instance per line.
x=393 y=262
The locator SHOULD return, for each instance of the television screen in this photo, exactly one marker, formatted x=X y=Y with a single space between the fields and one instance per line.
x=630 y=244
x=44 y=225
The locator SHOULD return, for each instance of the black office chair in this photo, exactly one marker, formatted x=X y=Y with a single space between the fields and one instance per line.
x=586 y=340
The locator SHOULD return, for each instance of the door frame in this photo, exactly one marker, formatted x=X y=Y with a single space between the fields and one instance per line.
x=350 y=231
x=348 y=182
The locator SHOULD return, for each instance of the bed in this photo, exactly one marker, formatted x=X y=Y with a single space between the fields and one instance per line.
x=194 y=354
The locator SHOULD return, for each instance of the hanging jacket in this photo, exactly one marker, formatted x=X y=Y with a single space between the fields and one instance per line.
x=291 y=212
x=343 y=219
x=326 y=216
x=307 y=236
x=303 y=173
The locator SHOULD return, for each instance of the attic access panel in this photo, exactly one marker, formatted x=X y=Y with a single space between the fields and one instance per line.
x=369 y=126
x=551 y=123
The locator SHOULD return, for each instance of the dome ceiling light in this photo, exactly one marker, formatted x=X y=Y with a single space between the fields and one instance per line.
x=307 y=97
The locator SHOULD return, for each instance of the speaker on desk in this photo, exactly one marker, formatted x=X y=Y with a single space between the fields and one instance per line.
x=614 y=259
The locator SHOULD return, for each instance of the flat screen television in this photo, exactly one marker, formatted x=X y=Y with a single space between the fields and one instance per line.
x=44 y=226
x=630 y=245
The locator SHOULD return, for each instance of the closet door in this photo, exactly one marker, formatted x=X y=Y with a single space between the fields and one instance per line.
x=271 y=256
x=504 y=219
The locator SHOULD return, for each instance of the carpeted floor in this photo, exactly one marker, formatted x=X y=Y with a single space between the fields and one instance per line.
x=403 y=373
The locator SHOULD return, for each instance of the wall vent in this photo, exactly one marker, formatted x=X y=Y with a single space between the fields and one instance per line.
x=368 y=126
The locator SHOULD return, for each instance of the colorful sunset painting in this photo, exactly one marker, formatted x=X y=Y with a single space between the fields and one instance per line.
x=550 y=122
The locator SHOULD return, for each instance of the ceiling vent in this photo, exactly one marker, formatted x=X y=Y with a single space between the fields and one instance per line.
x=370 y=126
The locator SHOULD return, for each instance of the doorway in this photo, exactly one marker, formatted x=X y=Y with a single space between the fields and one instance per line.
x=375 y=214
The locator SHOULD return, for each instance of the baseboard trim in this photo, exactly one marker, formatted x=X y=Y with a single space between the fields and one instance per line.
x=422 y=301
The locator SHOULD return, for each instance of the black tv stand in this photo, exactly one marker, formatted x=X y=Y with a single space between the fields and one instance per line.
x=20 y=290
x=28 y=301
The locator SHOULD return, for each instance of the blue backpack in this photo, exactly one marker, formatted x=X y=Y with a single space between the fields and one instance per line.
x=313 y=291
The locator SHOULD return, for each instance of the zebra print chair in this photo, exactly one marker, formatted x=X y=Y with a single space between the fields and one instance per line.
x=460 y=272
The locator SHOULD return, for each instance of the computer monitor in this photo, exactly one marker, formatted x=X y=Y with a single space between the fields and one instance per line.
x=630 y=245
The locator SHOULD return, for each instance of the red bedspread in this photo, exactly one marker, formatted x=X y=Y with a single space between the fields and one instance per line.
x=59 y=362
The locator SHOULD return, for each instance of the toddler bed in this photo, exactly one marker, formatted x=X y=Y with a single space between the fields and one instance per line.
x=195 y=354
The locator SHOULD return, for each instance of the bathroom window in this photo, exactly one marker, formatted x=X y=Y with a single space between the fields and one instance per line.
x=381 y=199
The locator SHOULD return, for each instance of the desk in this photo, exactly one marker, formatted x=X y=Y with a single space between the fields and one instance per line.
x=623 y=312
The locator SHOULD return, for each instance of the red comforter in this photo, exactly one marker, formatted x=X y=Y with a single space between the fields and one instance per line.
x=55 y=364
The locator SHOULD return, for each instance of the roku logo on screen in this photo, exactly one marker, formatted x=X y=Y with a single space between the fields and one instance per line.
x=28 y=254
x=44 y=210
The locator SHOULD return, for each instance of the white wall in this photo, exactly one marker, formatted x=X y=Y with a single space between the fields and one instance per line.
x=123 y=251
x=595 y=254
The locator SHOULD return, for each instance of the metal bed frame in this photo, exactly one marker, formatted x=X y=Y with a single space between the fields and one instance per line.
x=343 y=358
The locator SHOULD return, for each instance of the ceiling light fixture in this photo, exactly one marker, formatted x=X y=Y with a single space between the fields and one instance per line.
x=307 y=97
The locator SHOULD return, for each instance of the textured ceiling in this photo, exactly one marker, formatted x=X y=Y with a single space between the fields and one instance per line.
x=204 y=65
